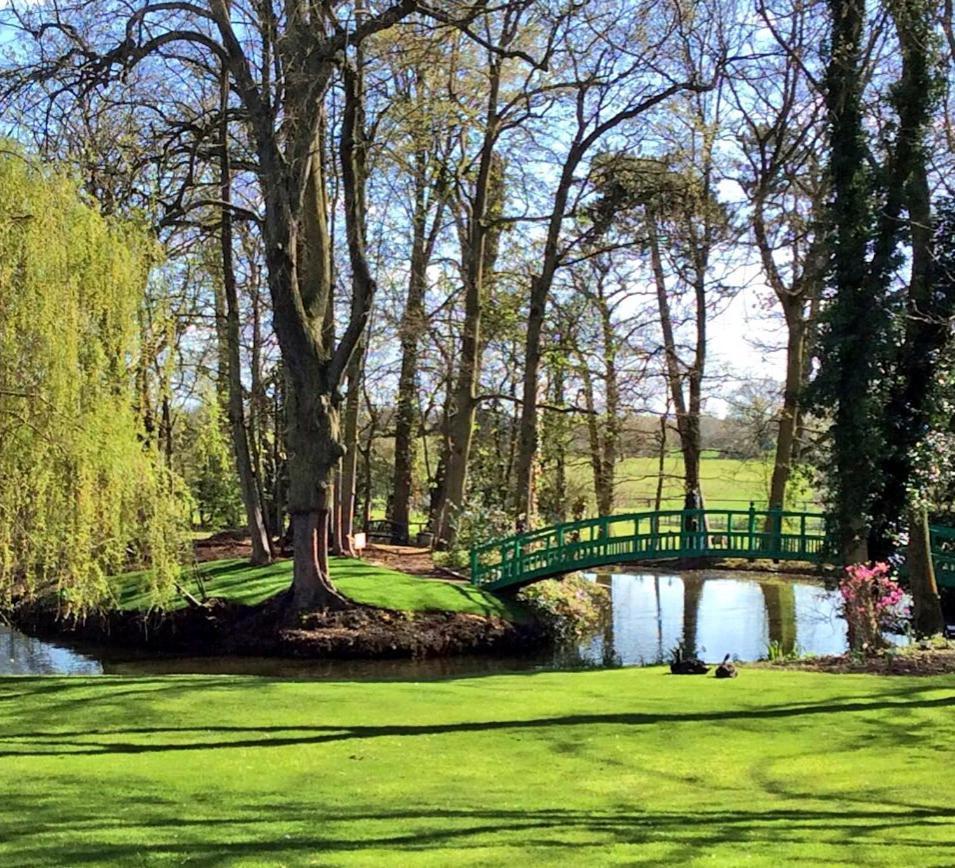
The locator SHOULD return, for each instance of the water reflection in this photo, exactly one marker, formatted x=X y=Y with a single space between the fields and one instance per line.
x=716 y=613
x=25 y=655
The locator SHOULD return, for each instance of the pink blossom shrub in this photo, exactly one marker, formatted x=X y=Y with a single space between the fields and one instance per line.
x=872 y=603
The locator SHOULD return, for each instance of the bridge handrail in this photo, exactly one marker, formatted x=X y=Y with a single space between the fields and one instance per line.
x=617 y=518
x=938 y=531
x=694 y=524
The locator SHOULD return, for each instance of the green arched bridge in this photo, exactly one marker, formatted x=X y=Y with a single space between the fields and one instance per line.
x=689 y=534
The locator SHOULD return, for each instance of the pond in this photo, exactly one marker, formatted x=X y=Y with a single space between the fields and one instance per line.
x=717 y=612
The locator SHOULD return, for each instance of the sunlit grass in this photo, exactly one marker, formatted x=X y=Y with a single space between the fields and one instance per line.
x=727 y=483
x=597 y=768
x=365 y=583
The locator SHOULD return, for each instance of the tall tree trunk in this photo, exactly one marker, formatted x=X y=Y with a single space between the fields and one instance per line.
x=688 y=428
x=611 y=418
x=914 y=402
x=248 y=485
x=791 y=410
x=366 y=455
x=412 y=326
x=349 y=473
x=856 y=310
x=593 y=436
x=661 y=459
x=258 y=401
x=540 y=290
x=300 y=302
x=560 y=455
x=438 y=490
x=461 y=427
x=799 y=303
x=279 y=453
x=927 y=617
x=478 y=247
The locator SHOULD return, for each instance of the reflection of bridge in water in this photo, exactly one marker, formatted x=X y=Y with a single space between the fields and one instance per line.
x=692 y=535
x=714 y=613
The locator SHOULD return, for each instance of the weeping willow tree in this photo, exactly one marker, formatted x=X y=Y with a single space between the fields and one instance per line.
x=82 y=496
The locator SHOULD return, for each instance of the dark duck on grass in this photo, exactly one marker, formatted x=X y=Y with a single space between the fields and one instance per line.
x=726 y=669
x=687 y=665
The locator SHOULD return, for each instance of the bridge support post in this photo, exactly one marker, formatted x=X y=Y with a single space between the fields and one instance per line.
x=751 y=532
x=776 y=523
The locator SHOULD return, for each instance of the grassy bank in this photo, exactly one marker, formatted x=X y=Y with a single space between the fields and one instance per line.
x=625 y=766
x=365 y=583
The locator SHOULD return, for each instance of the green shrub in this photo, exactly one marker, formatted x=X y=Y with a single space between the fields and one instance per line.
x=568 y=609
x=474 y=524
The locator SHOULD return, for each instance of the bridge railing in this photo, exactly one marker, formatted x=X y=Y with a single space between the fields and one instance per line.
x=943 y=554
x=752 y=533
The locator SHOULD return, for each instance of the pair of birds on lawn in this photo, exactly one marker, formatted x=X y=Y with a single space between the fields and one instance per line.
x=692 y=666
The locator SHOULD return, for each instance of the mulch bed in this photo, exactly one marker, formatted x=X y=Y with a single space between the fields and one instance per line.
x=909 y=661
x=222 y=545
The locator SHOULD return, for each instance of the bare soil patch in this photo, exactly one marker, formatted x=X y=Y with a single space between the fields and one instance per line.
x=222 y=545
x=908 y=661
x=414 y=560
x=408 y=559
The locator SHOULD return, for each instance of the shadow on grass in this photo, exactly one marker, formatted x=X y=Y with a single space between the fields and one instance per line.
x=100 y=742
x=260 y=831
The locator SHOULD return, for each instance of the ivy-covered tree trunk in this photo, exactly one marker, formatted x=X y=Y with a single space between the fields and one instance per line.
x=881 y=378
x=855 y=324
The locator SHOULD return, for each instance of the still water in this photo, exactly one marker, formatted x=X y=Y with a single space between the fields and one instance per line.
x=716 y=612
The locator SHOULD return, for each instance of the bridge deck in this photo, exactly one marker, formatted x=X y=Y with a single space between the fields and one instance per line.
x=752 y=534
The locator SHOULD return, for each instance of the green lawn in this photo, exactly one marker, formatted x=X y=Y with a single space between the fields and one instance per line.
x=727 y=483
x=609 y=767
x=360 y=581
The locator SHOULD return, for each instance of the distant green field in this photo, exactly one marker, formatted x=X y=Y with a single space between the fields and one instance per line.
x=728 y=483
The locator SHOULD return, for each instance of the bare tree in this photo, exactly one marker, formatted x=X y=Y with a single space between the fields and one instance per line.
x=784 y=181
x=617 y=76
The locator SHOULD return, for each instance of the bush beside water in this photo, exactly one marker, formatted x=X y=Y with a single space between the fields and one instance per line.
x=568 y=609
